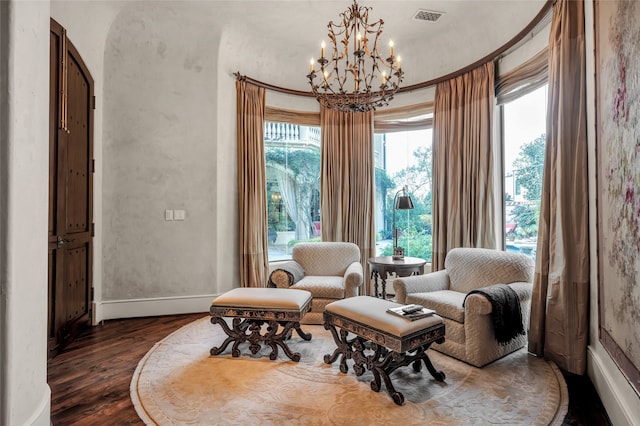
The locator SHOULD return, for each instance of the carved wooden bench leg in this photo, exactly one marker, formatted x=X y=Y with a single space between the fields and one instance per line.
x=236 y=334
x=275 y=339
x=438 y=375
x=383 y=362
x=302 y=334
x=344 y=348
x=248 y=330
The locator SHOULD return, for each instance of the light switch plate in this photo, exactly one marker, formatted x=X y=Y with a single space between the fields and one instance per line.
x=178 y=215
x=168 y=215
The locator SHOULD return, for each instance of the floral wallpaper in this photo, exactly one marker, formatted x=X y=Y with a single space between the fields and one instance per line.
x=618 y=77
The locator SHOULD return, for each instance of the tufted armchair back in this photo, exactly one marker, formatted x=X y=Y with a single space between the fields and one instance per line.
x=471 y=268
x=326 y=258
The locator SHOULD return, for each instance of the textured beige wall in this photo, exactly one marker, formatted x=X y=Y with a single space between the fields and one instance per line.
x=160 y=152
x=24 y=162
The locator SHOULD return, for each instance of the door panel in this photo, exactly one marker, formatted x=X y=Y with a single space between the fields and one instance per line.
x=78 y=160
x=74 y=290
x=70 y=192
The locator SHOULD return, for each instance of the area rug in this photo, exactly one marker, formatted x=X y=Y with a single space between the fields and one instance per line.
x=178 y=382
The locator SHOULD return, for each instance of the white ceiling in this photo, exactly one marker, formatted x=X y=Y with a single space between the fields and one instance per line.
x=467 y=31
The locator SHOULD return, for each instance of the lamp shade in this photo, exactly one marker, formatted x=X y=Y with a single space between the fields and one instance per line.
x=404 y=202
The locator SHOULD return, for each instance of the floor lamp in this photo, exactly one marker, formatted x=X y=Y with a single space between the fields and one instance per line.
x=400 y=202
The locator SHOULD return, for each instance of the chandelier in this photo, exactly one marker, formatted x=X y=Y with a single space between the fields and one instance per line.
x=355 y=77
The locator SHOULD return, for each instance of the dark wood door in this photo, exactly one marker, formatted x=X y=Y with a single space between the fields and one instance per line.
x=70 y=192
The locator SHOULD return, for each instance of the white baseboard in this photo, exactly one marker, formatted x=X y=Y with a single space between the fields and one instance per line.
x=134 y=308
x=41 y=416
x=619 y=400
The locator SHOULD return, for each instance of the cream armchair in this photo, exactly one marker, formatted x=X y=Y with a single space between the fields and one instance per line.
x=329 y=270
x=469 y=329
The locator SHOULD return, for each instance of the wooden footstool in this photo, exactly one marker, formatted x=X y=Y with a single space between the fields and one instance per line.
x=383 y=342
x=281 y=309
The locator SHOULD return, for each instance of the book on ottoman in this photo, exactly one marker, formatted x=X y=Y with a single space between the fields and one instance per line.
x=411 y=312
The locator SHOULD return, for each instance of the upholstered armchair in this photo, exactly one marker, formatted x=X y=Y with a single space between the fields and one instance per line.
x=329 y=270
x=464 y=294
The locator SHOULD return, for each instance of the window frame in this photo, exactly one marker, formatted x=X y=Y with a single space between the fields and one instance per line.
x=510 y=86
x=291 y=117
x=405 y=119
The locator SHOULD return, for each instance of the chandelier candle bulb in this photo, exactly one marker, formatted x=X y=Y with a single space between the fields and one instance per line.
x=391 y=49
x=399 y=59
x=322 y=46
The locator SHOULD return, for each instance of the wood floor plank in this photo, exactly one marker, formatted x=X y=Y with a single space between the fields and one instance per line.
x=90 y=380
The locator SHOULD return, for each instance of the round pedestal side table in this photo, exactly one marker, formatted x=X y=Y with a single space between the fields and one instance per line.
x=383 y=265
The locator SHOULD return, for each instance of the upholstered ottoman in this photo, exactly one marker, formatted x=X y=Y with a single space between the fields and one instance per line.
x=251 y=308
x=381 y=342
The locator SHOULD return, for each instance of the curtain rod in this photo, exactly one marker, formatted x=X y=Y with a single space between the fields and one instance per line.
x=258 y=83
x=425 y=84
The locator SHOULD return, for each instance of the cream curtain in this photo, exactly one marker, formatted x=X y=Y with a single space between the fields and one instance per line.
x=523 y=79
x=347 y=180
x=252 y=203
x=281 y=115
x=395 y=119
x=559 y=327
x=463 y=206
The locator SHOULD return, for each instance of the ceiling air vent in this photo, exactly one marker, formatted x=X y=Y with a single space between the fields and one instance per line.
x=427 y=15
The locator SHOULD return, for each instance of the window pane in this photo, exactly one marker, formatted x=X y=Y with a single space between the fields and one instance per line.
x=403 y=159
x=292 y=157
x=524 y=146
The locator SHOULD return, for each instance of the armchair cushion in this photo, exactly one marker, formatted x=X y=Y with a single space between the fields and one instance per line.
x=322 y=287
x=447 y=303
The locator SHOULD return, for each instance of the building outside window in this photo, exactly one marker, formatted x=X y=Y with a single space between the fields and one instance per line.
x=292 y=158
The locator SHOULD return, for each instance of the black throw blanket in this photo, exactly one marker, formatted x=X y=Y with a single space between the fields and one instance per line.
x=506 y=315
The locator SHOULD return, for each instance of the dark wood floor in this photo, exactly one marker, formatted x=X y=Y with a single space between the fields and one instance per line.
x=90 y=380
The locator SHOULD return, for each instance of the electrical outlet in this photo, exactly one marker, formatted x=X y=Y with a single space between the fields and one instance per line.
x=178 y=215
x=168 y=215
